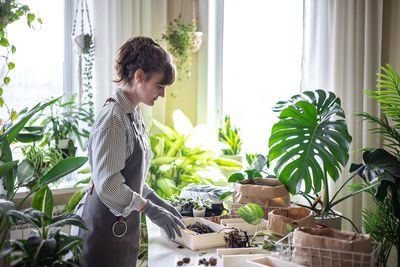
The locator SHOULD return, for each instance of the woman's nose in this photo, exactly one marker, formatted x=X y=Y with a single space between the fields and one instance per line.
x=162 y=93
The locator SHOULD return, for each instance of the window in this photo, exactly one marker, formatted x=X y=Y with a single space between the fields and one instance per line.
x=262 y=48
x=39 y=57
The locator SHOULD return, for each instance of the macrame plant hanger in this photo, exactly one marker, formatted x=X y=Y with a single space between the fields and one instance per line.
x=197 y=36
x=83 y=41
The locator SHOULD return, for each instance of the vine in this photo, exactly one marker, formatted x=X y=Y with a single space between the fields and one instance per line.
x=11 y=11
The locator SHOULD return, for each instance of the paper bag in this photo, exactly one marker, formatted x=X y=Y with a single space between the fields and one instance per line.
x=330 y=247
x=296 y=217
x=268 y=193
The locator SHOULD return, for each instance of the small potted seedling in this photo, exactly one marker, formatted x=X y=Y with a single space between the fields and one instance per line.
x=199 y=206
x=253 y=214
x=177 y=201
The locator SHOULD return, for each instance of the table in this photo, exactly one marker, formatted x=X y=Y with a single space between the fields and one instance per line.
x=165 y=253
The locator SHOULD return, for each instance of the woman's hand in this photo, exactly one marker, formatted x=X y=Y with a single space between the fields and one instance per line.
x=162 y=203
x=164 y=219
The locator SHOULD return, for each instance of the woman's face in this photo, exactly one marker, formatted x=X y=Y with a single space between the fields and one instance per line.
x=150 y=90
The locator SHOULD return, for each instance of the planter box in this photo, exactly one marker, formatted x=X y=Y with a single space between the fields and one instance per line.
x=270 y=261
x=201 y=241
x=237 y=257
x=240 y=224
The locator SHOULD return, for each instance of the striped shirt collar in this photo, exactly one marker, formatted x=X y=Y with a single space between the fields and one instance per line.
x=126 y=105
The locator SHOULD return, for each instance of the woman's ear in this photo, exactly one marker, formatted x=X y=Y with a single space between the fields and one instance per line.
x=139 y=75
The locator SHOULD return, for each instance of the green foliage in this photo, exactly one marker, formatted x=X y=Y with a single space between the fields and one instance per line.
x=46 y=245
x=175 y=164
x=180 y=39
x=251 y=213
x=176 y=200
x=230 y=136
x=11 y=11
x=383 y=222
x=310 y=135
x=64 y=121
x=380 y=223
x=200 y=203
x=38 y=161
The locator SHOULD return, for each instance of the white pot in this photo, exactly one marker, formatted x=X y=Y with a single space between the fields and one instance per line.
x=63 y=143
x=199 y=213
x=331 y=221
x=197 y=41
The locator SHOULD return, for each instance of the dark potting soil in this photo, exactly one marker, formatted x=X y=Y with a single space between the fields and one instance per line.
x=200 y=228
x=236 y=239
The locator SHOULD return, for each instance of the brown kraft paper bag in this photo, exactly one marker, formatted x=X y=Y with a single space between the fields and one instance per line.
x=341 y=246
x=268 y=193
x=296 y=217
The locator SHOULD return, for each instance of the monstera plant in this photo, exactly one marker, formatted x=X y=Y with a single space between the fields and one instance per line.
x=310 y=143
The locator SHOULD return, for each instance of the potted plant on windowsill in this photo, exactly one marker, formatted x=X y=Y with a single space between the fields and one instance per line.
x=310 y=145
x=200 y=205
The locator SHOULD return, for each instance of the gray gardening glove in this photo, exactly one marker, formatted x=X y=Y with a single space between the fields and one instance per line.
x=162 y=203
x=164 y=219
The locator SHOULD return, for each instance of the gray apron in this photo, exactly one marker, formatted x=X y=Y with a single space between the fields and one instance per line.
x=106 y=242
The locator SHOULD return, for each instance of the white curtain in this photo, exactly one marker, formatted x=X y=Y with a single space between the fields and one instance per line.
x=342 y=53
x=115 y=22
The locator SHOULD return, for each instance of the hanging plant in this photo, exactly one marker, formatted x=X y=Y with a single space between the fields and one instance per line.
x=11 y=11
x=84 y=47
x=183 y=40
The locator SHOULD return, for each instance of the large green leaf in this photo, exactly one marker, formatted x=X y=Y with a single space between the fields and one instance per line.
x=29 y=137
x=168 y=131
x=251 y=213
x=310 y=139
x=14 y=130
x=6 y=205
x=23 y=216
x=167 y=186
x=62 y=168
x=67 y=219
x=6 y=167
x=25 y=171
x=43 y=201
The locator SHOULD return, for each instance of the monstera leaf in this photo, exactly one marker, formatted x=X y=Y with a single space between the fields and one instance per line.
x=310 y=141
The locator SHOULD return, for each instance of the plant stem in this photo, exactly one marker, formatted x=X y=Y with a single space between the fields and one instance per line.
x=325 y=203
x=340 y=188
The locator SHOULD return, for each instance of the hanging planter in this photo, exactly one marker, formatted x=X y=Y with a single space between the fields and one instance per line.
x=197 y=41
x=84 y=44
x=84 y=40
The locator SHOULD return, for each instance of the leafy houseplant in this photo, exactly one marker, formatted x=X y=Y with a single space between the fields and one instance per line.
x=383 y=222
x=310 y=143
x=10 y=168
x=231 y=137
x=176 y=163
x=199 y=206
x=253 y=214
x=181 y=38
x=177 y=201
x=11 y=11
x=46 y=244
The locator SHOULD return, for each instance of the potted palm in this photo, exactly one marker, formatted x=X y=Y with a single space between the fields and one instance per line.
x=310 y=145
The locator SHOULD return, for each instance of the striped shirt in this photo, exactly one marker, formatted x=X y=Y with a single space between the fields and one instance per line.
x=111 y=143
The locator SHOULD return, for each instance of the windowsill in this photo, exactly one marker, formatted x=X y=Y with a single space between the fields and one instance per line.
x=61 y=196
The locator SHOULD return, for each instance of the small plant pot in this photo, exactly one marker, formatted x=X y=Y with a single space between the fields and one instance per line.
x=199 y=213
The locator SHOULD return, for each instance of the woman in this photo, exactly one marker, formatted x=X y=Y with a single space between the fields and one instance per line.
x=120 y=154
